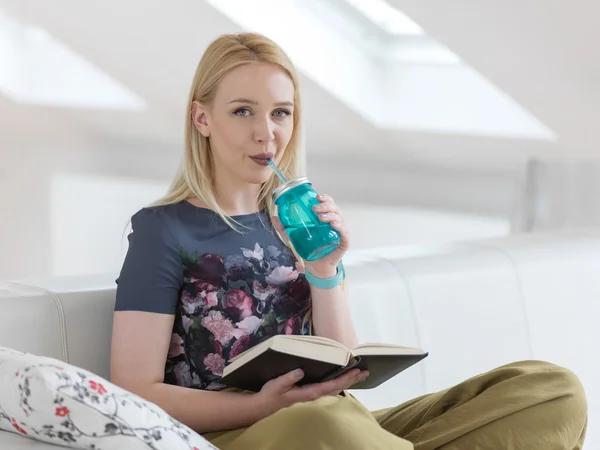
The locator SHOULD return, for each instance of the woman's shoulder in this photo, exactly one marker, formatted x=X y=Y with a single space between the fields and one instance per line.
x=159 y=222
x=151 y=216
x=155 y=213
x=168 y=214
x=175 y=222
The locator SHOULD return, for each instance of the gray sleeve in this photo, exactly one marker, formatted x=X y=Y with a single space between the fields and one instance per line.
x=152 y=274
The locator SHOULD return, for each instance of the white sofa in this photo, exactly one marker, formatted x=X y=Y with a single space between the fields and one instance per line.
x=472 y=305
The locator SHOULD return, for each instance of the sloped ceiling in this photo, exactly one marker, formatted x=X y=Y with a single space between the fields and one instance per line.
x=152 y=48
x=542 y=54
x=533 y=79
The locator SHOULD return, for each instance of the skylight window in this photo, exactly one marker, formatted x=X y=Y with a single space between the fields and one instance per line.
x=36 y=68
x=387 y=17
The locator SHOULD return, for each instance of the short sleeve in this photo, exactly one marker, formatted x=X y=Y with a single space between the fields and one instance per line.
x=152 y=275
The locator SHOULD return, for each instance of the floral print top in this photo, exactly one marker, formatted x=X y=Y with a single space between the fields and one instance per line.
x=227 y=290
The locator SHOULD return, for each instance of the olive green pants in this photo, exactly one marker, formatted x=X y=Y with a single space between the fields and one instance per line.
x=529 y=405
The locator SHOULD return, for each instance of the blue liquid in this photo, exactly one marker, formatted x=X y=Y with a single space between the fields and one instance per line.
x=314 y=241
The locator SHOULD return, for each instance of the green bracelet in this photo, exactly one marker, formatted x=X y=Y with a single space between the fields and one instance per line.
x=327 y=283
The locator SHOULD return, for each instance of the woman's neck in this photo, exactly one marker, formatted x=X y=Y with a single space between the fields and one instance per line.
x=237 y=198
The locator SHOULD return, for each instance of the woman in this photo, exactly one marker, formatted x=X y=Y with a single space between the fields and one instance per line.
x=206 y=277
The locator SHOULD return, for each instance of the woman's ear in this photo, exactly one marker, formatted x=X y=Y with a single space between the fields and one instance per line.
x=200 y=118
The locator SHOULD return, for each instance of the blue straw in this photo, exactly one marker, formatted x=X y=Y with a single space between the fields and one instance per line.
x=276 y=170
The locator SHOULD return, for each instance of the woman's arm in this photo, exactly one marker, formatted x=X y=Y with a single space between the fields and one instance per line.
x=331 y=308
x=140 y=343
x=331 y=311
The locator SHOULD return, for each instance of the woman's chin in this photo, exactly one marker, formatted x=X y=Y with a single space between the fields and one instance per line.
x=259 y=177
x=256 y=179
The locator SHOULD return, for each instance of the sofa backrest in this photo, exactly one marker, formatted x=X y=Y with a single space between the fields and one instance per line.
x=68 y=318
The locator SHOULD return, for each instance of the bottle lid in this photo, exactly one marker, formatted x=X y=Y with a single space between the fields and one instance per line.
x=283 y=188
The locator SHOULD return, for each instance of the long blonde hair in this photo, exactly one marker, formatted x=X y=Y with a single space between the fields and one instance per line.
x=195 y=176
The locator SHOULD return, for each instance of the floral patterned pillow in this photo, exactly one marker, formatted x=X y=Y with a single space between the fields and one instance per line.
x=52 y=401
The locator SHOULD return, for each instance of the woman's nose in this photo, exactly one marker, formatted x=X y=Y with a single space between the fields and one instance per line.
x=263 y=132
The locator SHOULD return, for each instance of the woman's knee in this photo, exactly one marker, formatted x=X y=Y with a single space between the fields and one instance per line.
x=571 y=389
x=560 y=380
x=561 y=385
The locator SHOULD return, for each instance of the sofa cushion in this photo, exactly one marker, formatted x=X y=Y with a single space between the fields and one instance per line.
x=49 y=400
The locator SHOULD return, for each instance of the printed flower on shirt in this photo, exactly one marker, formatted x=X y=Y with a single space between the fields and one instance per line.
x=239 y=346
x=294 y=300
x=183 y=373
x=249 y=325
x=205 y=296
x=230 y=303
x=292 y=325
x=220 y=327
x=239 y=302
x=282 y=275
x=186 y=322
x=214 y=363
x=240 y=272
x=258 y=253
x=262 y=293
x=206 y=271
x=210 y=298
x=176 y=346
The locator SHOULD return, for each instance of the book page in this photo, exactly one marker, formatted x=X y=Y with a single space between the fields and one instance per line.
x=375 y=348
x=316 y=340
x=381 y=344
x=319 y=340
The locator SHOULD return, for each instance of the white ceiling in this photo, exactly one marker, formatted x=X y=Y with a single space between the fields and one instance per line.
x=536 y=60
x=543 y=54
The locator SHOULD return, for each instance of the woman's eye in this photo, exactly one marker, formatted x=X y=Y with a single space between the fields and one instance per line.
x=281 y=113
x=242 y=112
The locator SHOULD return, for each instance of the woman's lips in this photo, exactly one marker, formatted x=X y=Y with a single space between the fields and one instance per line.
x=261 y=158
x=260 y=161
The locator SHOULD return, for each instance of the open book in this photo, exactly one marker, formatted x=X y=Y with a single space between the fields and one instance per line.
x=320 y=358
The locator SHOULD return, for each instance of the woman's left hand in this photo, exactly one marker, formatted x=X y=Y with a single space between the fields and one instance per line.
x=328 y=212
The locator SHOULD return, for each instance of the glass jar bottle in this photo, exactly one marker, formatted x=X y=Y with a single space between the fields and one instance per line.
x=311 y=237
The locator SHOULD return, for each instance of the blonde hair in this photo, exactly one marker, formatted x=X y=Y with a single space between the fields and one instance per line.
x=195 y=176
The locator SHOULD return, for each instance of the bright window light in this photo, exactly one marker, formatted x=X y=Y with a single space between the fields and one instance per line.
x=36 y=68
x=387 y=16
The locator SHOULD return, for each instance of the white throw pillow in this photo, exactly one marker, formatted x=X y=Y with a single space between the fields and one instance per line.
x=49 y=400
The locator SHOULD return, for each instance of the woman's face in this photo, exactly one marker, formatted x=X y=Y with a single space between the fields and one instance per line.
x=251 y=119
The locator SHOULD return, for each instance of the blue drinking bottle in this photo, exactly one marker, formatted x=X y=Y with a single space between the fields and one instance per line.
x=311 y=238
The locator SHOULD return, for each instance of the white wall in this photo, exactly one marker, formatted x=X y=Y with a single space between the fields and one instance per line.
x=24 y=222
x=373 y=226
x=89 y=229
x=64 y=211
x=65 y=202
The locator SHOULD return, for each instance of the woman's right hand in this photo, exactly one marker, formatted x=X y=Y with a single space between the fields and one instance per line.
x=282 y=391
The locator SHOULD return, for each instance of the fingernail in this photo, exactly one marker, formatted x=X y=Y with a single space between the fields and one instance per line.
x=320 y=196
x=323 y=216
x=317 y=206
x=298 y=373
x=334 y=223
